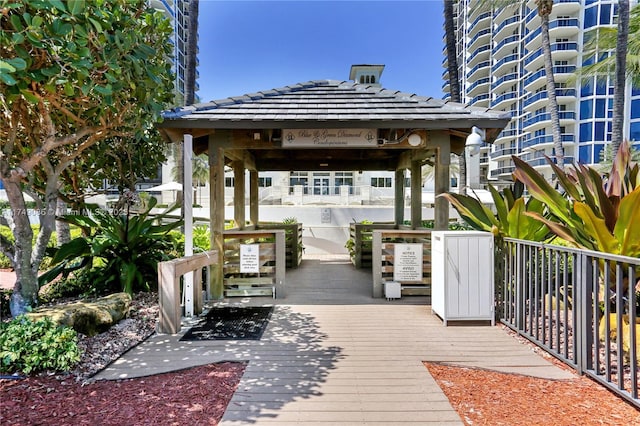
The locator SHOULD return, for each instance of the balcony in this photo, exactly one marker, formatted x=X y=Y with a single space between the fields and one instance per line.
x=542 y=161
x=482 y=35
x=506 y=134
x=510 y=60
x=560 y=28
x=559 y=51
x=539 y=76
x=480 y=54
x=498 y=102
x=508 y=42
x=566 y=7
x=481 y=84
x=505 y=25
x=505 y=152
x=504 y=79
x=545 y=118
x=480 y=99
x=482 y=65
x=534 y=101
x=484 y=18
x=545 y=141
x=502 y=171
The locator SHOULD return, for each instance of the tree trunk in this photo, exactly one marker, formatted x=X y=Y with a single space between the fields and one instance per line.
x=454 y=79
x=620 y=77
x=544 y=10
x=63 y=231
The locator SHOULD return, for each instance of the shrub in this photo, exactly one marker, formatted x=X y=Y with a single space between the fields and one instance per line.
x=29 y=346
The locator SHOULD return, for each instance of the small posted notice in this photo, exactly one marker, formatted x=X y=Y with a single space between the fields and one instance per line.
x=407 y=265
x=249 y=258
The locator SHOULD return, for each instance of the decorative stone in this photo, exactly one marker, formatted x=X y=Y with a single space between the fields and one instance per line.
x=89 y=318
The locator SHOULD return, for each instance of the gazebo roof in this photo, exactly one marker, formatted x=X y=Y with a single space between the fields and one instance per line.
x=253 y=125
x=334 y=104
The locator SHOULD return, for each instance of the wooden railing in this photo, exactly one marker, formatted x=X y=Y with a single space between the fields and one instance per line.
x=293 y=240
x=170 y=296
x=270 y=277
x=362 y=236
x=384 y=262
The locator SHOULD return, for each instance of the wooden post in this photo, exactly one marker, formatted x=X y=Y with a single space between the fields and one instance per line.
x=168 y=299
x=281 y=263
x=399 y=197
x=216 y=216
x=238 y=194
x=416 y=194
x=187 y=206
x=442 y=180
x=253 y=198
x=376 y=266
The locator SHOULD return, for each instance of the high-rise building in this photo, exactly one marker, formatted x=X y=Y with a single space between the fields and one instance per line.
x=501 y=66
x=178 y=12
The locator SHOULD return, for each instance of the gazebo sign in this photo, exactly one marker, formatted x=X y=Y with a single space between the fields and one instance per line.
x=407 y=262
x=328 y=138
x=249 y=258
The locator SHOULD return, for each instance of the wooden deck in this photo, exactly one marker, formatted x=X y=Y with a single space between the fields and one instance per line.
x=332 y=355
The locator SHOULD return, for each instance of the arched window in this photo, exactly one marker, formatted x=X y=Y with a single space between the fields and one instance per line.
x=373 y=79
x=367 y=79
x=361 y=79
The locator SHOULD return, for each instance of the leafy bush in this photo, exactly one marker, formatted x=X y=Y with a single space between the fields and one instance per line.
x=29 y=346
x=290 y=220
x=120 y=252
x=201 y=237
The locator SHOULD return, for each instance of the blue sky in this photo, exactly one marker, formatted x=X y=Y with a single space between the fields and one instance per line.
x=248 y=46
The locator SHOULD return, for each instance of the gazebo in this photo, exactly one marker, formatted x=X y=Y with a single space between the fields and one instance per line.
x=326 y=125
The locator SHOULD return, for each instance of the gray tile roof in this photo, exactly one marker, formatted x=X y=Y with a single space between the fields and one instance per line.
x=332 y=103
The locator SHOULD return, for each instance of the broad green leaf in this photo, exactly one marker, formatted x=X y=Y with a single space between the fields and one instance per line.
x=76 y=6
x=16 y=22
x=6 y=67
x=18 y=64
x=501 y=207
x=627 y=229
x=471 y=210
x=74 y=248
x=58 y=5
x=29 y=96
x=597 y=229
x=96 y=24
x=557 y=228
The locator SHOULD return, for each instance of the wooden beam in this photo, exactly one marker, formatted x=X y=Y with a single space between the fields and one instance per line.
x=399 y=197
x=442 y=182
x=216 y=217
x=254 y=212
x=416 y=194
x=238 y=194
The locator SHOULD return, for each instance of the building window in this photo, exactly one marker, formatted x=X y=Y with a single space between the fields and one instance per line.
x=373 y=79
x=381 y=182
x=229 y=182
x=264 y=182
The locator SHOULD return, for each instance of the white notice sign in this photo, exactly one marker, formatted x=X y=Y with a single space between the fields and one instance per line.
x=249 y=258
x=329 y=138
x=407 y=263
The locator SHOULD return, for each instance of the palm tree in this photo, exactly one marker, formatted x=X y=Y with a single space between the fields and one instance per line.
x=617 y=124
x=544 y=10
x=454 y=79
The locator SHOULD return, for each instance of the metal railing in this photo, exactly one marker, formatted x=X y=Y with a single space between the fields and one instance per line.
x=578 y=305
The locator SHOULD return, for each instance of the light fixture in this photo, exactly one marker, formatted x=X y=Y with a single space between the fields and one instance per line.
x=475 y=140
x=414 y=139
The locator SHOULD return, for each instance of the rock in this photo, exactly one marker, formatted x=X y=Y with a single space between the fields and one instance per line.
x=89 y=318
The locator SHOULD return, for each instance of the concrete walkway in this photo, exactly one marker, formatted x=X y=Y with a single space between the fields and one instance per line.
x=332 y=355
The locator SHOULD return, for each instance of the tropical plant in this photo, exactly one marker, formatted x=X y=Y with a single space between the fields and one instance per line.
x=28 y=346
x=72 y=74
x=510 y=220
x=127 y=249
x=593 y=213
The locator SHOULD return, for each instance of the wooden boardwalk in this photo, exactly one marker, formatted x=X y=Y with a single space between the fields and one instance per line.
x=332 y=355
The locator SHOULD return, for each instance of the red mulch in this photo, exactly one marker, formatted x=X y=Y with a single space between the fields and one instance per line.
x=195 y=396
x=483 y=397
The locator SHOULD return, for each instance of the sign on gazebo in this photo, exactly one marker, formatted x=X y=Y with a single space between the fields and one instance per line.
x=407 y=262
x=249 y=258
x=327 y=138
